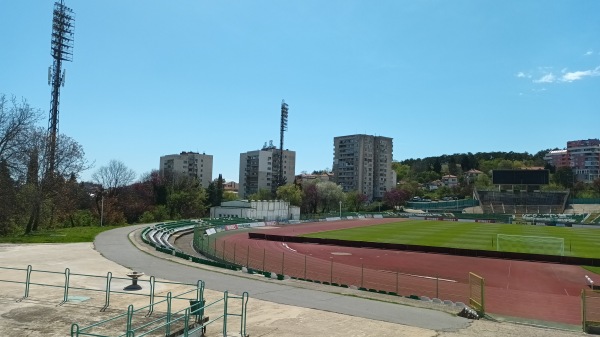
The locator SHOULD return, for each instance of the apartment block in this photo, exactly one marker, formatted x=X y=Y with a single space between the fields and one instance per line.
x=363 y=163
x=558 y=158
x=191 y=164
x=584 y=156
x=260 y=169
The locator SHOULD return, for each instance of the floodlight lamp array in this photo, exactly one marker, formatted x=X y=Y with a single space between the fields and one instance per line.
x=62 y=32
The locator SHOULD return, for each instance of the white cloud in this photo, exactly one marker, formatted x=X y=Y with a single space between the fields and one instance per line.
x=578 y=75
x=588 y=53
x=548 y=78
x=521 y=74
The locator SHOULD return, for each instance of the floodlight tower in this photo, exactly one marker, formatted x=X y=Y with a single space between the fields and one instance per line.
x=61 y=49
x=282 y=129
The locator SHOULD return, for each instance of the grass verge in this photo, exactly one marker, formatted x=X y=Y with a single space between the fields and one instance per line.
x=62 y=235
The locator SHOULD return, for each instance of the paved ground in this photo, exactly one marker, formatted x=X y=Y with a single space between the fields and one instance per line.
x=276 y=308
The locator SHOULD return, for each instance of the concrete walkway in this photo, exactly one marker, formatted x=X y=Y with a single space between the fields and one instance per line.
x=116 y=245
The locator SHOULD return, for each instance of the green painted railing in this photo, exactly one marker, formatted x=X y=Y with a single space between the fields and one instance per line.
x=167 y=322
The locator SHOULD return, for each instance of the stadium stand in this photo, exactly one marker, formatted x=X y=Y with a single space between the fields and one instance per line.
x=522 y=202
x=554 y=218
x=159 y=234
x=227 y=221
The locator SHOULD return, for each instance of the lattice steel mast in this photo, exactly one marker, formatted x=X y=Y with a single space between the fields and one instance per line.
x=61 y=50
x=283 y=127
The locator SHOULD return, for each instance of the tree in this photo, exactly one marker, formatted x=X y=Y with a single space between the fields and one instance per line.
x=579 y=188
x=113 y=176
x=402 y=171
x=564 y=176
x=395 y=197
x=310 y=201
x=505 y=165
x=596 y=186
x=187 y=203
x=112 y=179
x=355 y=200
x=437 y=166
x=290 y=193
x=159 y=187
x=17 y=119
x=452 y=168
x=483 y=181
x=219 y=190
x=8 y=199
x=262 y=194
x=136 y=199
x=230 y=196
x=329 y=194
x=427 y=176
x=211 y=192
x=44 y=188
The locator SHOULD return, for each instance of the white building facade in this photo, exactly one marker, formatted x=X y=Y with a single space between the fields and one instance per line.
x=191 y=164
x=267 y=210
x=260 y=169
x=363 y=163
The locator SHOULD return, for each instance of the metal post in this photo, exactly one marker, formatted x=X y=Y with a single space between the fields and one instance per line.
x=340 y=209
x=243 y=320
x=168 y=325
x=331 y=272
x=129 y=316
x=362 y=274
x=27 y=281
x=225 y=313
x=305 y=267
x=102 y=209
x=151 y=306
x=483 y=296
x=66 y=294
x=74 y=330
x=199 y=290
x=583 y=311
x=107 y=295
x=186 y=322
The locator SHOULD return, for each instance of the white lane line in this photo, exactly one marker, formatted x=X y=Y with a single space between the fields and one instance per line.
x=420 y=276
x=288 y=247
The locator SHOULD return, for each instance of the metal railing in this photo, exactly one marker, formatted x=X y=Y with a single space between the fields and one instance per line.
x=168 y=322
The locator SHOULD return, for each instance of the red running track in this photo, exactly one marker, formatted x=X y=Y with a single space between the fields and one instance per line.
x=531 y=290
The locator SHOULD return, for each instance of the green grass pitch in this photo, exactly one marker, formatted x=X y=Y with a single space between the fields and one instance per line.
x=579 y=242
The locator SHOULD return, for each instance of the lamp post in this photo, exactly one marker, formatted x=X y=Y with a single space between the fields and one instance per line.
x=340 y=209
x=102 y=208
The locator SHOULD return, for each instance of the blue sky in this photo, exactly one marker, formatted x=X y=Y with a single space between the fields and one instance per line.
x=151 y=78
